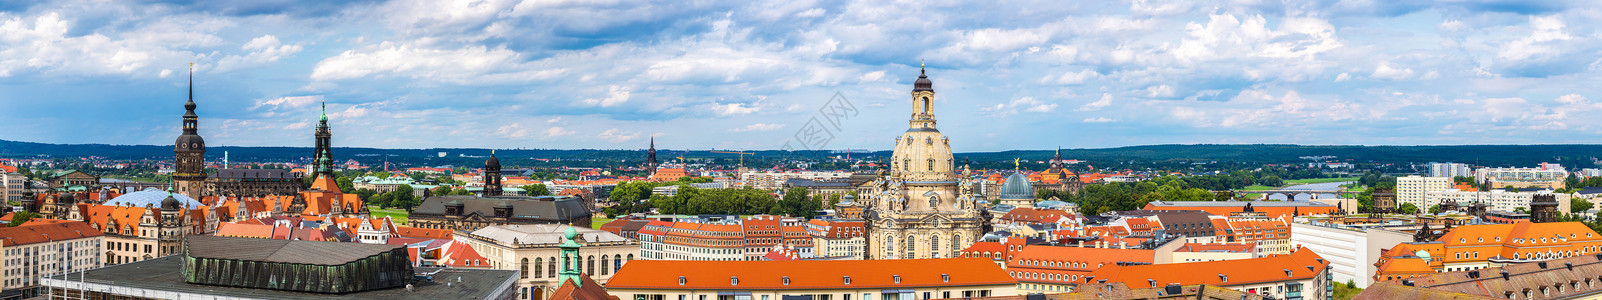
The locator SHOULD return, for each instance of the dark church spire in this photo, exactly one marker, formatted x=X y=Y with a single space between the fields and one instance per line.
x=650 y=157
x=492 y=175
x=323 y=158
x=190 y=149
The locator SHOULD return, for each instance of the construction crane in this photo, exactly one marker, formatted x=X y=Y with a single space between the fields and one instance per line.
x=742 y=154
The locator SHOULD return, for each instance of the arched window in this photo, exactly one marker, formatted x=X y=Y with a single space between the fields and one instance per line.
x=591 y=269
x=525 y=268
x=552 y=272
x=956 y=241
x=605 y=259
x=539 y=267
x=911 y=244
x=934 y=246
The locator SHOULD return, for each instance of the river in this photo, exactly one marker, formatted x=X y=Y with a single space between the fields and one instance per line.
x=1327 y=186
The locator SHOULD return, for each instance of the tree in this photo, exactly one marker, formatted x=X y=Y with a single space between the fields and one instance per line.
x=443 y=190
x=536 y=189
x=418 y=176
x=344 y=183
x=22 y=217
x=1435 y=209
x=402 y=197
x=365 y=194
x=1272 y=180
x=1520 y=210
x=1577 y=205
x=1408 y=208
x=834 y=199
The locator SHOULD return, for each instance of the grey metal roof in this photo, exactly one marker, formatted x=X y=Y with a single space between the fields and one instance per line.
x=285 y=251
x=151 y=197
x=543 y=234
x=165 y=274
x=543 y=207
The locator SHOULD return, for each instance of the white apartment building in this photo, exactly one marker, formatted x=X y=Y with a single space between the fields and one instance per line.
x=775 y=180
x=48 y=249
x=1351 y=251
x=11 y=186
x=1450 y=170
x=1545 y=176
x=1500 y=200
x=1412 y=189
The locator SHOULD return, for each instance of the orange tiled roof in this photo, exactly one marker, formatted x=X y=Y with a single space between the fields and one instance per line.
x=424 y=233
x=458 y=254
x=808 y=274
x=45 y=232
x=245 y=230
x=1302 y=264
x=1200 y=247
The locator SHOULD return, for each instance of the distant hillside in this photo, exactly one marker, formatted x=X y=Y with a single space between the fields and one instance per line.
x=1490 y=155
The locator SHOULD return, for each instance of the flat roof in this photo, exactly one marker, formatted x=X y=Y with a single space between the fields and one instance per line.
x=164 y=275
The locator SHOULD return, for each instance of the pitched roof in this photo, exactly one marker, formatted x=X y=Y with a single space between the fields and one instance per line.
x=589 y=291
x=1089 y=255
x=458 y=254
x=32 y=232
x=1302 y=264
x=245 y=230
x=424 y=233
x=808 y=274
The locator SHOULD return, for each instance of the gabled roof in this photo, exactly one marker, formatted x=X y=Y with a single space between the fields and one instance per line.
x=425 y=233
x=1301 y=265
x=458 y=254
x=808 y=274
x=41 y=232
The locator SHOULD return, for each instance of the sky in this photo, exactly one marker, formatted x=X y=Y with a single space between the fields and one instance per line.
x=607 y=74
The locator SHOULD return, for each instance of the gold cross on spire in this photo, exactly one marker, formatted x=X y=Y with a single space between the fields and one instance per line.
x=922 y=63
x=1015 y=165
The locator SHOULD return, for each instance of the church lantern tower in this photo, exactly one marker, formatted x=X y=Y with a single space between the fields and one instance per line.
x=921 y=212
x=190 y=150
x=492 y=176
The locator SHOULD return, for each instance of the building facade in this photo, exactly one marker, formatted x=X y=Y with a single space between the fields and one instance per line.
x=533 y=250
x=921 y=212
x=1414 y=189
x=1473 y=247
x=839 y=239
x=723 y=239
x=252 y=182
x=1547 y=176
x=145 y=224
x=1351 y=251
x=1499 y=200
x=48 y=248
x=1299 y=275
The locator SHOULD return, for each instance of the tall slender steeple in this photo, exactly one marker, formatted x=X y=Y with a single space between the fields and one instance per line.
x=190 y=149
x=324 y=157
x=650 y=157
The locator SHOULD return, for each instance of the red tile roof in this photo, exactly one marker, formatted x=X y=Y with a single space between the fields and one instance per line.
x=46 y=232
x=425 y=233
x=1302 y=264
x=808 y=274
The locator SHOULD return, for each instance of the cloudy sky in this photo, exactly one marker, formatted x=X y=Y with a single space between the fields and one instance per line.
x=751 y=74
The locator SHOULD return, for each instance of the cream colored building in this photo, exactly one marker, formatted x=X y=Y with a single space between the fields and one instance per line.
x=775 y=180
x=1499 y=200
x=919 y=211
x=34 y=251
x=1413 y=189
x=533 y=250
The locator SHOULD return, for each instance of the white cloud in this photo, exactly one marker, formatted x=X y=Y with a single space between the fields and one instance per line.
x=1106 y=100
x=264 y=49
x=810 y=13
x=758 y=127
x=735 y=109
x=1077 y=78
x=1546 y=29
x=1098 y=120
x=556 y=131
x=618 y=136
x=1343 y=77
x=1160 y=91
x=512 y=131
x=556 y=120
x=294 y=101
x=1027 y=104
x=467 y=65
x=1385 y=71
x=615 y=95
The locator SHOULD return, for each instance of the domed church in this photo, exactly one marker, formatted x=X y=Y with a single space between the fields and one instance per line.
x=919 y=211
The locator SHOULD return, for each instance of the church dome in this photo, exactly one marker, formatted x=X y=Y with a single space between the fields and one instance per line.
x=1017 y=187
x=171 y=204
x=492 y=163
x=923 y=83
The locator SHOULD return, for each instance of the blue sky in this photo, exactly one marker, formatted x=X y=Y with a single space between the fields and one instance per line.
x=750 y=74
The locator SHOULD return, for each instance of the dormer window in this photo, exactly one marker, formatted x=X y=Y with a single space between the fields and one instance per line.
x=734 y=280
x=897 y=278
x=681 y=280
x=945 y=277
x=1222 y=277
x=847 y=279
x=786 y=280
